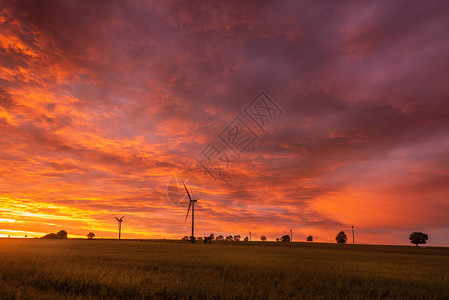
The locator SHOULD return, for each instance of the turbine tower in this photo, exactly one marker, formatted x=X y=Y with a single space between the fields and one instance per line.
x=119 y=225
x=353 y=235
x=194 y=195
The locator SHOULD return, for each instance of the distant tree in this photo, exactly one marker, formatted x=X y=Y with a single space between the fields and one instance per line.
x=192 y=238
x=50 y=236
x=237 y=237
x=285 y=238
x=263 y=238
x=62 y=234
x=246 y=239
x=219 y=238
x=90 y=235
x=418 y=238
x=229 y=238
x=278 y=239
x=199 y=238
x=341 y=237
x=185 y=238
x=211 y=237
x=309 y=238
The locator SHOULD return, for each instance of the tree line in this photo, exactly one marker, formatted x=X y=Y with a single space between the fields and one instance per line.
x=416 y=238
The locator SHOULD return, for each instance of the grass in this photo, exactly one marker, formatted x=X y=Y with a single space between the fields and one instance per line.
x=111 y=269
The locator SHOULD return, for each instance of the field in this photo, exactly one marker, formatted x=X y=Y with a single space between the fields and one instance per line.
x=111 y=269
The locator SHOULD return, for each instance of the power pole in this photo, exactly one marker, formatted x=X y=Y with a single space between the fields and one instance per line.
x=353 y=235
x=250 y=236
x=291 y=235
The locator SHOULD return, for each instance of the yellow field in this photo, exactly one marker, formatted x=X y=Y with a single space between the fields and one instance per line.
x=111 y=269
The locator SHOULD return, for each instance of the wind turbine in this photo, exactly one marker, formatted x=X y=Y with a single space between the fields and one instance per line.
x=119 y=225
x=196 y=193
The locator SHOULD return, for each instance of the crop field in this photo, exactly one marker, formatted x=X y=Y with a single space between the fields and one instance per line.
x=112 y=269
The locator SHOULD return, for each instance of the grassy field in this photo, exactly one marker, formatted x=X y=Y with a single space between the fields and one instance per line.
x=111 y=269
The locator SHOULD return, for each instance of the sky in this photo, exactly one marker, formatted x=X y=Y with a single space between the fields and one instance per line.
x=310 y=116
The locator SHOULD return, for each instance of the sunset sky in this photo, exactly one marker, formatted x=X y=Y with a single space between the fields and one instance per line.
x=103 y=102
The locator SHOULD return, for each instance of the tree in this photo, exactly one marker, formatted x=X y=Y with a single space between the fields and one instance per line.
x=229 y=238
x=50 y=236
x=237 y=237
x=185 y=238
x=211 y=237
x=418 y=238
x=309 y=238
x=341 y=237
x=278 y=239
x=246 y=239
x=199 y=238
x=285 y=238
x=263 y=238
x=90 y=235
x=219 y=238
x=62 y=234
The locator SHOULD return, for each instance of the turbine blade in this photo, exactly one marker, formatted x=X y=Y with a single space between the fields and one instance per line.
x=190 y=204
x=116 y=218
x=187 y=193
x=122 y=217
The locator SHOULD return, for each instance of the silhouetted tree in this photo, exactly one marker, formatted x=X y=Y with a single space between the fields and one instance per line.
x=50 y=236
x=309 y=238
x=185 y=238
x=246 y=239
x=263 y=238
x=237 y=237
x=90 y=235
x=219 y=238
x=199 y=238
x=285 y=238
x=229 y=238
x=206 y=238
x=418 y=238
x=211 y=236
x=62 y=234
x=192 y=238
x=341 y=237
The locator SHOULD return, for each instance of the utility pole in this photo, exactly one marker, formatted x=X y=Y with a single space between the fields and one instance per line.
x=291 y=235
x=353 y=235
x=250 y=236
